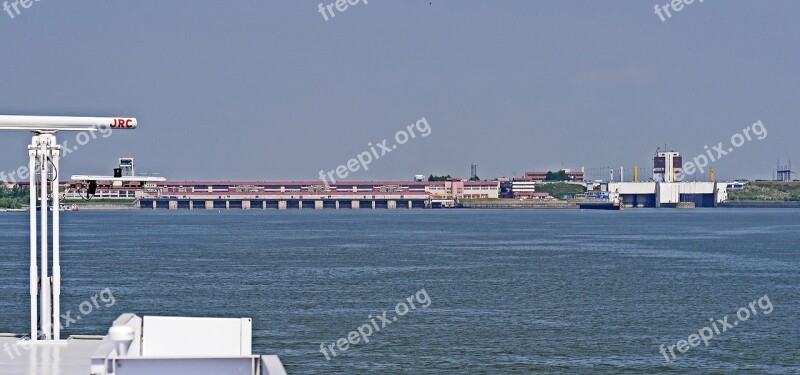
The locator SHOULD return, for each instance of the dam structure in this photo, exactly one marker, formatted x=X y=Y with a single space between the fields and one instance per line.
x=254 y=195
x=667 y=189
x=667 y=194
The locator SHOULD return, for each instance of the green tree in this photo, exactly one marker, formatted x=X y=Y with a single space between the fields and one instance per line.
x=439 y=178
x=14 y=197
x=557 y=176
x=557 y=189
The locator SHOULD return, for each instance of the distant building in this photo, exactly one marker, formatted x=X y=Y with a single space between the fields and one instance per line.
x=459 y=188
x=505 y=188
x=525 y=188
x=127 y=167
x=667 y=166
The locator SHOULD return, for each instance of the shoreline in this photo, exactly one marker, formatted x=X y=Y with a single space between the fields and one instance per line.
x=759 y=204
x=516 y=204
x=511 y=205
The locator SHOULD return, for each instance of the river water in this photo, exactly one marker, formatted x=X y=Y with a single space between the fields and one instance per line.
x=493 y=291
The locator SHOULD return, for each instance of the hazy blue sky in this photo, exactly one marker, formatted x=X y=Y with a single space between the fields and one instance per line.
x=270 y=90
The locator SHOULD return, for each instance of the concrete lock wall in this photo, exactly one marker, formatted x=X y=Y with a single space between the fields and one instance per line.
x=391 y=204
x=356 y=204
x=209 y=205
x=281 y=205
x=245 y=205
x=318 y=205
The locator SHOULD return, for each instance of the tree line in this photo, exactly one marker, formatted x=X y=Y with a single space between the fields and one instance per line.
x=14 y=197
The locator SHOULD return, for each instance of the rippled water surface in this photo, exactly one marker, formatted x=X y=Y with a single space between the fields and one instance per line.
x=511 y=291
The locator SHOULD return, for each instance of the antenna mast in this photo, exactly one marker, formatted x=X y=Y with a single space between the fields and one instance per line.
x=44 y=153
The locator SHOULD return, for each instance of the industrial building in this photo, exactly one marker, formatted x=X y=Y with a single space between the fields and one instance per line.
x=525 y=188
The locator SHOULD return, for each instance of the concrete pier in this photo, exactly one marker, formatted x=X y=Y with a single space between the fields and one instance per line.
x=245 y=203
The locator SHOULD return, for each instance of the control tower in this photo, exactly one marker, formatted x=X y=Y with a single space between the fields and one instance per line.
x=667 y=165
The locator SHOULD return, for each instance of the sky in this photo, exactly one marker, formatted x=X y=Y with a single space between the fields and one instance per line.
x=266 y=90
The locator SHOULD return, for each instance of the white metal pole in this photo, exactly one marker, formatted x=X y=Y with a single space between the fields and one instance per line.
x=34 y=273
x=45 y=283
x=56 y=153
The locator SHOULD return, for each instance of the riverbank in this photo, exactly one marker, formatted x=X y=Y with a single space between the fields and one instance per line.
x=468 y=204
x=760 y=204
x=517 y=204
x=106 y=207
x=102 y=204
x=772 y=191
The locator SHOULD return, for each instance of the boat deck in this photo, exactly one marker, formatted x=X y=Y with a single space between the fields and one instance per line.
x=67 y=357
